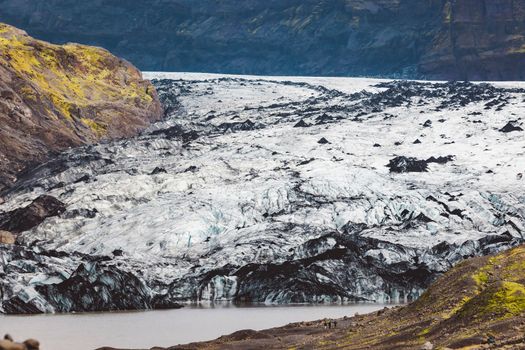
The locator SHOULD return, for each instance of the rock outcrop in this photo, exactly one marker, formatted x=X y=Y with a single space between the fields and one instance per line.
x=467 y=39
x=55 y=97
x=478 y=40
x=7 y=237
x=23 y=219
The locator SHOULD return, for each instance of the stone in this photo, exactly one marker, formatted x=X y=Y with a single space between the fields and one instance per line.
x=32 y=344
x=510 y=127
x=427 y=346
x=23 y=219
x=302 y=124
x=7 y=237
x=9 y=345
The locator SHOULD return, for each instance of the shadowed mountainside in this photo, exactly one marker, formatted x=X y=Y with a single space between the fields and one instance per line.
x=468 y=39
x=55 y=97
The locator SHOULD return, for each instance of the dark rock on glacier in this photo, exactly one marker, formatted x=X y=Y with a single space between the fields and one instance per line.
x=24 y=219
x=440 y=160
x=302 y=124
x=308 y=280
x=240 y=126
x=403 y=164
x=177 y=132
x=158 y=170
x=86 y=213
x=343 y=273
x=510 y=127
x=118 y=252
x=453 y=94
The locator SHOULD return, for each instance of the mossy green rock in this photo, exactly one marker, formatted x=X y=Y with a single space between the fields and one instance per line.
x=54 y=97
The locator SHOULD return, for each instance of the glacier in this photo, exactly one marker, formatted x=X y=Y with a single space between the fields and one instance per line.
x=275 y=190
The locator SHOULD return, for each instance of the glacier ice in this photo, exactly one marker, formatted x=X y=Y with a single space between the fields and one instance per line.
x=226 y=200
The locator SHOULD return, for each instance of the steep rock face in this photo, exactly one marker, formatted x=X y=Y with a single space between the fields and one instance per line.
x=471 y=39
x=55 y=97
x=478 y=39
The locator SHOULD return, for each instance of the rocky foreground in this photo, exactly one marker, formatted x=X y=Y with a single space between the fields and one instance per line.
x=9 y=344
x=56 y=97
x=271 y=191
x=479 y=304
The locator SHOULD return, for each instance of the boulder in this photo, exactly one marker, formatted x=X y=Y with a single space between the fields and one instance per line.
x=510 y=127
x=23 y=219
x=32 y=344
x=407 y=164
x=9 y=344
x=302 y=124
x=7 y=237
x=403 y=164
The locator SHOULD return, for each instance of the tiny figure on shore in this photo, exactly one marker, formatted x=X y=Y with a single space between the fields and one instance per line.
x=329 y=324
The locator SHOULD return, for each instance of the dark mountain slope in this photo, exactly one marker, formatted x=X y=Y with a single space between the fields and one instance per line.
x=468 y=39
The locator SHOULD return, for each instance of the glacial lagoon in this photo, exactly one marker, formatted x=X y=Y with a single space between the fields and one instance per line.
x=143 y=330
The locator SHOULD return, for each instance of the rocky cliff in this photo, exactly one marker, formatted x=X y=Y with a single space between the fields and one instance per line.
x=478 y=39
x=467 y=39
x=54 y=97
